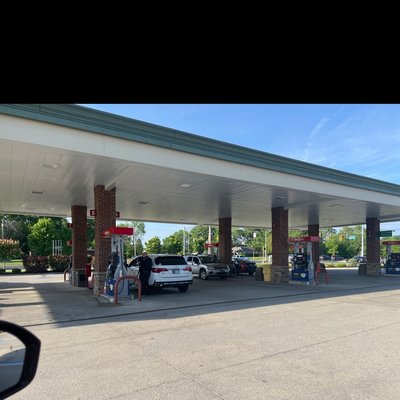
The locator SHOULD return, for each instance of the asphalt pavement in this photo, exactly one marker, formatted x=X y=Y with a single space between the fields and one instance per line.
x=224 y=339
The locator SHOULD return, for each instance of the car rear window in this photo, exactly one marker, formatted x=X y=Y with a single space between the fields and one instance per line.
x=209 y=260
x=170 y=260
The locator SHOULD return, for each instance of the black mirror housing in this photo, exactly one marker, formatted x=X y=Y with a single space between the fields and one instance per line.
x=31 y=358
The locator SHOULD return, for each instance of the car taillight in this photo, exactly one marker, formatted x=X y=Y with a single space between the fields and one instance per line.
x=158 y=270
x=187 y=269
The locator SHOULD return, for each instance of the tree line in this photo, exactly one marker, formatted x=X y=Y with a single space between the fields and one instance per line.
x=36 y=234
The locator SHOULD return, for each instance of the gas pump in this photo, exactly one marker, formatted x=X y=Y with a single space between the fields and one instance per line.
x=303 y=266
x=117 y=264
x=392 y=264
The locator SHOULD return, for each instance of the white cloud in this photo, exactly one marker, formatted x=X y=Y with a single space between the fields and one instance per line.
x=311 y=137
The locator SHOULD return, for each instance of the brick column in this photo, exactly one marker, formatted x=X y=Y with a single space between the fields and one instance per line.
x=79 y=251
x=313 y=230
x=280 y=253
x=225 y=240
x=105 y=206
x=373 y=246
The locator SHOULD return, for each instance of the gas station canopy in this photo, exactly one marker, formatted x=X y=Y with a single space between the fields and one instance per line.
x=52 y=157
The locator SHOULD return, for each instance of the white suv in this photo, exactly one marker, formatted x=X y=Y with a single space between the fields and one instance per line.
x=166 y=271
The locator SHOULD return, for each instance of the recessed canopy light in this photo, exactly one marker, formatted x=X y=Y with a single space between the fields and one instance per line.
x=327 y=219
x=143 y=202
x=36 y=192
x=335 y=205
x=185 y=185
x=50 y=165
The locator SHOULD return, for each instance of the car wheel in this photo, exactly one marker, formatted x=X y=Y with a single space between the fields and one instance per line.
x=183 y=289
x=203 y=274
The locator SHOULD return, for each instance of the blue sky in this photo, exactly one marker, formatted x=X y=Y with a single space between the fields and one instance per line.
x=363 y=139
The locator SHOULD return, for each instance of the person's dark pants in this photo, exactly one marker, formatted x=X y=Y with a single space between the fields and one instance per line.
x=144 y=279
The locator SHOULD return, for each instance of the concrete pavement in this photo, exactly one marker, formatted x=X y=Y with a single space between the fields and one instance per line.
x=223 y=339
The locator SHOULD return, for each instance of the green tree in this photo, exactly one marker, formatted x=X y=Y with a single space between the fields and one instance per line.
x=9 y=249
x=17 y=227
x=324 y=234
x=153 y=245
x=173 y=244
x=63 y=233
x=40 y=239
x=242 y=236
x=139 y=246
x=332 y=244
x=199 y=237
x=131 y=242
x=258 y=239
x=41 y=236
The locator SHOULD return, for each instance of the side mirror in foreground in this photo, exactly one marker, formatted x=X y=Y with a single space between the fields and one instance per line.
x=19 y=357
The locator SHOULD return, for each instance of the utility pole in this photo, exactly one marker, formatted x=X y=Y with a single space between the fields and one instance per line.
x=134 y=245
x=184 y=244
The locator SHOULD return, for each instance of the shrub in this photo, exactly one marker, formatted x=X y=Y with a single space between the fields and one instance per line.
x=36 y=264
x=16 y=270
x=352 y=262
x=9 y=249
x=59 y=263
x=340 y=265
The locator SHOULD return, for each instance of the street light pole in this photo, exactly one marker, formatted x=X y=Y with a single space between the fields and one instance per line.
x=184 y=244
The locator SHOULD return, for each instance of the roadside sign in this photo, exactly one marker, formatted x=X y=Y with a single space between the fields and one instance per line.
x=385 y=233
x=352 y=237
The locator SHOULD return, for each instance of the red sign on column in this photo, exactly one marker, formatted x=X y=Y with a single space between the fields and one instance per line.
x=93 y=213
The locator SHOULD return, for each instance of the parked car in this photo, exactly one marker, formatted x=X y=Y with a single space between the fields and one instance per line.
x=167 y=271
x=242 y=265
x=361 y=259
x=206 y=266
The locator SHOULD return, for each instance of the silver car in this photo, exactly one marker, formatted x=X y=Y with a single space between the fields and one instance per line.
x=205 y=266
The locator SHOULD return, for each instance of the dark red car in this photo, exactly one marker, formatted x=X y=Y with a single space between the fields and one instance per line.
x=242 y=265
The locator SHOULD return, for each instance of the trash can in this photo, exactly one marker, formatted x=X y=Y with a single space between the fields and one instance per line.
x=362 y=269
x=82 y=281
x=259 y=274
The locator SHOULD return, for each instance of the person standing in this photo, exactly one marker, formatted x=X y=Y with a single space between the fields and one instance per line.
x=145 y=265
